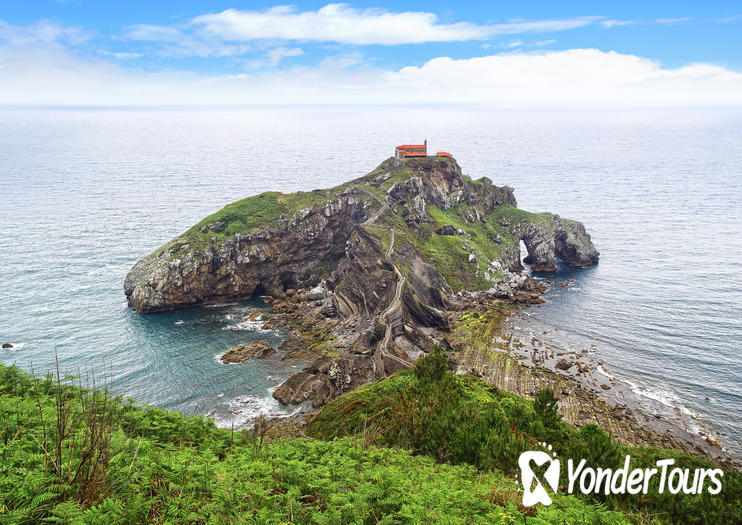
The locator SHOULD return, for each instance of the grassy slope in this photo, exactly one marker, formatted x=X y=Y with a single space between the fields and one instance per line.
x=460 y=420
x=262 y=211
x=449 y=254
x=248 y=216
x=122 y=463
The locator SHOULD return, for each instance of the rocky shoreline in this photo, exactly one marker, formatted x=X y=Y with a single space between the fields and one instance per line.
x=588 y=393
x=241 y=353
x=515 y=362
x=599 y=397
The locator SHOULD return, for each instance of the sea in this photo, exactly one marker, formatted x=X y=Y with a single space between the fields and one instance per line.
x=85 y=193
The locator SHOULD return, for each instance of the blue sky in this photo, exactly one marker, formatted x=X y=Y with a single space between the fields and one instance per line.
x=502 y=53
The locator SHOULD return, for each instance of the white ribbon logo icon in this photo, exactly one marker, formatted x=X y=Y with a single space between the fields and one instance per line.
x=538 y=494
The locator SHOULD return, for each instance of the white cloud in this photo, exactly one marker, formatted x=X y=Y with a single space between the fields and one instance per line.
x=728 y=19
x=518 y=43
x=609 y=23
x=673 y=21
x=119 y=55
x=574 y=77
x=153 y=33
x=617 y=23
x=577 y=77
x=343 y=61
x=541 y=26
x=191 y=47
x=342 y=23
x=277 y=54
x=43 y=32
x=226 y=33
x=274 y=56
x=179 y=43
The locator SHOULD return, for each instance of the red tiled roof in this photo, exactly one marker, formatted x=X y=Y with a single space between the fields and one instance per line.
x=410 y=146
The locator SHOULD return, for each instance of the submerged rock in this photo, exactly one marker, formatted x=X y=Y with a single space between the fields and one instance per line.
x=242 y=353
x=253 y=316
x=274 y=323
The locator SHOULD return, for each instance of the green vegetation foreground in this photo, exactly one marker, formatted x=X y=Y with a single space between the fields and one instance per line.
x=73 y=455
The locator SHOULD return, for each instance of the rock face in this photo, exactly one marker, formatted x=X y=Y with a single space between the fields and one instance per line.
x=380 y=261
x=241 y=353
x=280 y=257
x=552 y=237
x=449 y=229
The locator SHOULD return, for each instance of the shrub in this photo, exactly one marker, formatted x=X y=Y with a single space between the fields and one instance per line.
x=433 y=366
x=594 y=445
x=547 y=408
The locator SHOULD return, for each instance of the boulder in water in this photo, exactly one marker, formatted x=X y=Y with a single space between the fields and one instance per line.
x=242 y=353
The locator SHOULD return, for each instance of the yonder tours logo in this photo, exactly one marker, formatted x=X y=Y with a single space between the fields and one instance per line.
x=595 y=479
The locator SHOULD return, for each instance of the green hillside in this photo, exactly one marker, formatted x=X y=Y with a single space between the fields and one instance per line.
x=74 y=456
x=458 y=419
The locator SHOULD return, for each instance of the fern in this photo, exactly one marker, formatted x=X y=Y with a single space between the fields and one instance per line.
x=125 y=463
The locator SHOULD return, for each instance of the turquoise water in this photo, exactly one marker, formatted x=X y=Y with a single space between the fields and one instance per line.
x=85 y=194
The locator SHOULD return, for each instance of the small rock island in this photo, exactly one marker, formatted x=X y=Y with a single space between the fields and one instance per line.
x=375 y=266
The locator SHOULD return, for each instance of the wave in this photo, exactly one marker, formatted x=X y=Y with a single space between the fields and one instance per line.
x=220 y=305
x=244 y=410
x=667 y=399
x=247 y=326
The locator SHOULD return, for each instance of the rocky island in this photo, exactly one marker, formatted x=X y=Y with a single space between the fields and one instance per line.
x=372 y=272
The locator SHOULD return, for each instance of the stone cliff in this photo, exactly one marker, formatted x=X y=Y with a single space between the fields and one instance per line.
x=384 y=257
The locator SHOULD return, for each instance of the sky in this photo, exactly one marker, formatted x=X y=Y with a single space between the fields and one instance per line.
x=502 y=54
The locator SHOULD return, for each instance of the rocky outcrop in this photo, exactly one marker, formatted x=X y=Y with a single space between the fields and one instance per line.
x=282 y=256
x=241 y=353
x=449 y=229
x=572 y=244
x=549 y=237
x=372 y=271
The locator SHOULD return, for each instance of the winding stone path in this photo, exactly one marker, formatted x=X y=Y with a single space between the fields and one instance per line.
x=396 y=302
x=393 y=307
